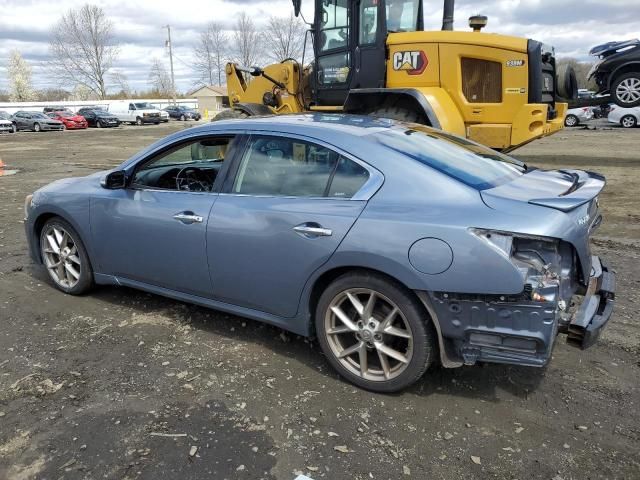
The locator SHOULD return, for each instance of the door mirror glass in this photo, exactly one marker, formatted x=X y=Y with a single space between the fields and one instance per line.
x=114 y=180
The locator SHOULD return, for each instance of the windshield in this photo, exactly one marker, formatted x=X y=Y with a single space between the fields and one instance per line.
x=65 y=114
x=402 y=15
x=466 y=161
x=143 y=106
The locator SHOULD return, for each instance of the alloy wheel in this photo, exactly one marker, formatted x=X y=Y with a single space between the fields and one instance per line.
x=571 y=121
x=368 y=334
x=628 y=121
x=60 y=255
x=36 y=127
x=628 y=90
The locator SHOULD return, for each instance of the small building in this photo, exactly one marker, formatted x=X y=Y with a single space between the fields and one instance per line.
x=211 y=100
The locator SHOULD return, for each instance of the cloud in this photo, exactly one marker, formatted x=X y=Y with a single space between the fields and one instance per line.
x=572 y=26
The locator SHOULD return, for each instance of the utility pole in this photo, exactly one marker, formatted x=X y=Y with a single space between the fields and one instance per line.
x=173 y=80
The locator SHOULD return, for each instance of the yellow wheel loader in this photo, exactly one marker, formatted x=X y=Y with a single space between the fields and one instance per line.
x=372 y=57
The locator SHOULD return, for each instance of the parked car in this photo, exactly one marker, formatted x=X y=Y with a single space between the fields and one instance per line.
x=618 y=71
x=135 y=112
x=392 y=243
x=183 y=113
x=35 y=121
x=96 y=117
x=576 y=116
x=625 y=117
x=69 y=120
x=6 y=125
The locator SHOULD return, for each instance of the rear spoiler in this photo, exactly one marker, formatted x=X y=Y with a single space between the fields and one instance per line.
x=586 y=186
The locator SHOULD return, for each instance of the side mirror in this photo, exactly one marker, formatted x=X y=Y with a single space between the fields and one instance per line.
x=296 y=7
x=114 y=180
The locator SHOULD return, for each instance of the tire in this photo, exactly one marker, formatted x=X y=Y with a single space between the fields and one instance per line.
x=398 y=111
x=629 y=121
x=99 y=124
x=571 y=121
x=36 y=127
x=139 y=121
x=75 y=277
x=14 y=128
x=625 y=90
x=229 y=114
x=414 y=337
x=567 y=82
x=183 y=118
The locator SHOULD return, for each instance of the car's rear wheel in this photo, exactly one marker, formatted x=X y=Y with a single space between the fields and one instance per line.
x=571 y=121
x=626 y=90
x=65 y=257
x=628 y=121
x=36 y=127
x=374 y=332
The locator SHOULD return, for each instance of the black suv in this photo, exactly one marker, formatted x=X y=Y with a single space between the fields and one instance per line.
x=182 y=113
x=618 y=71
x=96 y=117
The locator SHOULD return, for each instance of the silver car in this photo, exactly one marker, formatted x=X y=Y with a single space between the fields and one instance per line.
x=396 y=245
x=36 y=122
x=576 y=116
x=625 y=117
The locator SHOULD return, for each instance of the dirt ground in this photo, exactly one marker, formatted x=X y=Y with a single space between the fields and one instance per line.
x=121 y=384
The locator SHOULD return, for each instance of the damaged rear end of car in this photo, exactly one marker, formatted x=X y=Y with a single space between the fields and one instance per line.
x=564 y=288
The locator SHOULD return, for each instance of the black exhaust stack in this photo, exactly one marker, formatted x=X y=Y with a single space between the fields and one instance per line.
x=447 y=14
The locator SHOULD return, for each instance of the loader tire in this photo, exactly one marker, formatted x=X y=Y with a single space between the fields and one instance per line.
x=229 y=114
x=399 y=112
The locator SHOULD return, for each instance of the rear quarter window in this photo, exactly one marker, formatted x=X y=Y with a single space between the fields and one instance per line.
x=468 y=162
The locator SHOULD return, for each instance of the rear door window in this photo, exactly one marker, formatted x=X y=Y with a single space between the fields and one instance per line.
x=278 y=166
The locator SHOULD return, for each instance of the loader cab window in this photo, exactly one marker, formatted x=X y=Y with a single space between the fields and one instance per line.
x=368 y=22
x=334 y=25
x=402 y=15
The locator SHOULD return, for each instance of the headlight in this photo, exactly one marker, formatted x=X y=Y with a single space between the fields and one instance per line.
x=537 y=259
x=27 y=205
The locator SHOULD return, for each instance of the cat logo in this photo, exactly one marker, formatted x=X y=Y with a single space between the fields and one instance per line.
x=412 y=62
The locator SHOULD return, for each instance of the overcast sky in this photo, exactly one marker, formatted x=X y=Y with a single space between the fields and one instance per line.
x=572 y=26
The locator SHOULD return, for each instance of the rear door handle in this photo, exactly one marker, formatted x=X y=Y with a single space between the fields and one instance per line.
x=188 y=218
x=312 y=230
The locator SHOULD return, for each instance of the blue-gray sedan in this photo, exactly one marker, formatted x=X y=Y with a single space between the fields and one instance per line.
x=395 y=244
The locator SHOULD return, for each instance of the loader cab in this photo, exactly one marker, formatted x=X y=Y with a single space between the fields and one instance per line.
x=350 y=43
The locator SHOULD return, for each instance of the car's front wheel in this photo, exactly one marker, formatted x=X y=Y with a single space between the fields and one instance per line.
x=99 y=124
x=182 y=118
x=65 y=257
x=626 y=90
x=14 y=128
x=571 y=121
x=36 y=127
x=628 y=121
x=374 y=332
x=138 y=121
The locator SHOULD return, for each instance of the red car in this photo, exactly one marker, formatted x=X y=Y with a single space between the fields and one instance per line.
x=70 y=120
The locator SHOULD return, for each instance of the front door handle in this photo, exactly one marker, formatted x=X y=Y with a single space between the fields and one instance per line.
x=312 y=230
x=188 y=218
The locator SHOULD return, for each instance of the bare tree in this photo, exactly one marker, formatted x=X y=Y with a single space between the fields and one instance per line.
x=83 y=49
x=121 y=82
x=159 y=79
x=246 y=38
x=21 y=89
x=284 y=37
x=210 y=54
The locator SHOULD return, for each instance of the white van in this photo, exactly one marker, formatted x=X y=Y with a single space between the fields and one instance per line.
x=135 y=112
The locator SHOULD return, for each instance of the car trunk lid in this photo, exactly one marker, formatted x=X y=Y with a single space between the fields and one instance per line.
x=572 y=192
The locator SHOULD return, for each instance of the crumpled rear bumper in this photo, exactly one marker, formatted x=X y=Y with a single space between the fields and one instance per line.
x=596 y=308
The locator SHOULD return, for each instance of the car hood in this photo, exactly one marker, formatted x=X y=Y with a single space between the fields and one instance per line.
x=75 y=118
x=569 y=198
x=612 y=47
x=5 y=122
